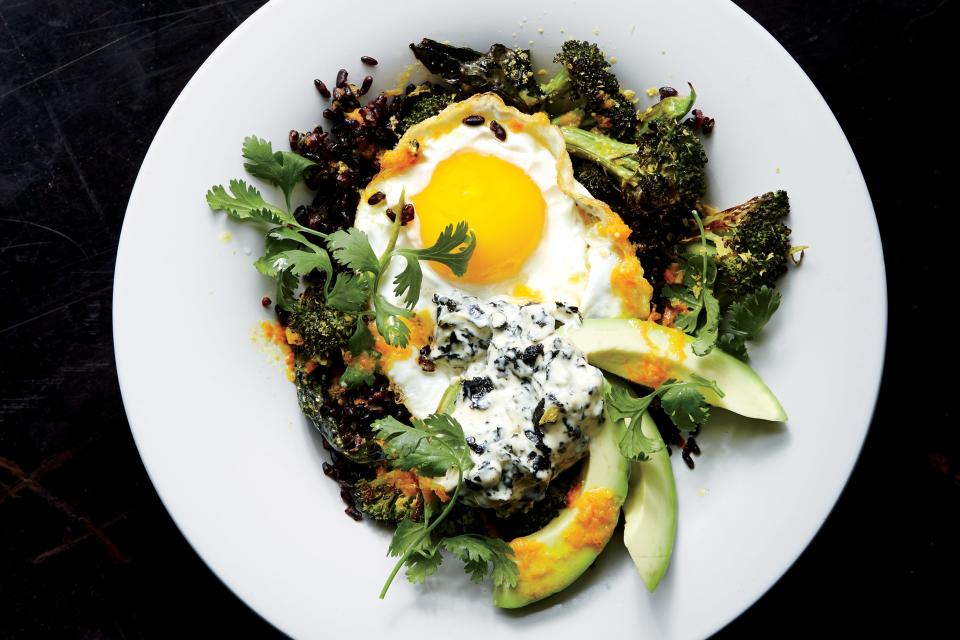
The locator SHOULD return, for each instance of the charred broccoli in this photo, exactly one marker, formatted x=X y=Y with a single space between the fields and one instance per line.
x=656 y=181
x=662 y=167
x=391 y=497
x=665 y=169
x=316 y=329
x=752 y=244
x=595 y=179
x=424 y=102
x=507 y=72
x=586 y=85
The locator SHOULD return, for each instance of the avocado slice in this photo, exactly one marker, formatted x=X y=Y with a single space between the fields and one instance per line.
x=649 y=354
x=650 y=510
x=553 y=557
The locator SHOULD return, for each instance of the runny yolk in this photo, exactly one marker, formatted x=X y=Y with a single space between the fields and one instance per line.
x=500 y=203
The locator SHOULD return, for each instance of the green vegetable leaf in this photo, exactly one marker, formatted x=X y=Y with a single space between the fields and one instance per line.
x=734 y=346
x=422 y=565
x=244 y=202
x=273 y=246
x=682 y=401
x=444 y=249
x=409 y=536
x=621 y=405
x=287 y=282
x=297 y=261
x=351 y=247
x=432 y=446
x=707 y=334
x=686 y=406
x=286 y=233
x=702 y=316
x=394 y=331
x=350 y=293
x=745 y=319
x=479 y=554
x=361 y=340
x=407 y=283
x=281 y=168
x=634 y=444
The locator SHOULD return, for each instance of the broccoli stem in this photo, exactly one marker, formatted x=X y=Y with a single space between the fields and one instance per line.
x=619 y=158
x=672 y=108
x=557 y=85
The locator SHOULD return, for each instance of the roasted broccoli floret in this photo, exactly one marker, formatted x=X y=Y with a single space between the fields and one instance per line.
x=664 y=170
x=316 y=329
x=752 y=244
x=391 y=497
x=656 y=180
x=597 y=182
x=424 y=102
x=508 y=72
x=586 y=84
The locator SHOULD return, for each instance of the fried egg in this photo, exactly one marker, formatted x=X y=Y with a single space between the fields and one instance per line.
x=540 y=236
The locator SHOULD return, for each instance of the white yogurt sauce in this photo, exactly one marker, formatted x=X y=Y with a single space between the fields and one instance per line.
x=529 y=400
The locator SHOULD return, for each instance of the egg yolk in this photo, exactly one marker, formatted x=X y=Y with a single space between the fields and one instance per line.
x=500 y=203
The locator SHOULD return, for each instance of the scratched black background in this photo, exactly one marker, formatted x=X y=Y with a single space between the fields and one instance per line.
x=86 y=548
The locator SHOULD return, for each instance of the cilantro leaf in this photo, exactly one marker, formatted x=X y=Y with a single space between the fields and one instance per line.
x=286 y=233
x=423 y=564
x=287 y=282
x=389 y=325
x=407 y=283
x=361 y=340
x=281 y=168
x=636 y=445
x=273 y=246
x=350 y=293
x=745 y=319
x=681 y=400
x=702 y=315
x=283 y=249
x=351 y=248
x=299 y=263
x=244 y=202
x=686 y=406
x=621 y=405
x=708 y=332
x=443 y=250
x=478 y=553
x=432 y=446
x=733 y=345
x=408 y=537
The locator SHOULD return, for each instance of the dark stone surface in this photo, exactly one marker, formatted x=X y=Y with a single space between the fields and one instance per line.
x=87 y=548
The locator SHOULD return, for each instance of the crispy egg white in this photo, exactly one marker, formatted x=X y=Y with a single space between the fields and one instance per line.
x=540 y=236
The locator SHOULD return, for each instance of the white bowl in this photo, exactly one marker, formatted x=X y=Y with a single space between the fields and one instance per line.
x=216 y=421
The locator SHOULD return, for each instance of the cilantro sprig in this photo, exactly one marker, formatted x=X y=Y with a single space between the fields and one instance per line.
x=702 y=316
x=743 y=321
x=682 y=401
x=433 y=446
x=352 y=270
